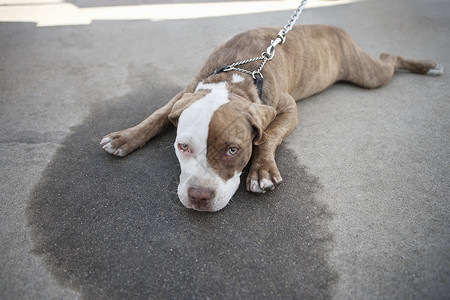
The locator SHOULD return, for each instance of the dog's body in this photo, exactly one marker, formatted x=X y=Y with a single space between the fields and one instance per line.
x=222 y=121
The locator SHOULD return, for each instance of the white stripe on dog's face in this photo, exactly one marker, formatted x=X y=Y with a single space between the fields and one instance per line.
x=191 y=148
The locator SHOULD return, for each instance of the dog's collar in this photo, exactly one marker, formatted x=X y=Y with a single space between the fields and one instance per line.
x=257 y=78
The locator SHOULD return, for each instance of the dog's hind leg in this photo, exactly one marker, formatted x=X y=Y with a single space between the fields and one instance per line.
x=424 y=67
x=368 y=72
x=123 y=142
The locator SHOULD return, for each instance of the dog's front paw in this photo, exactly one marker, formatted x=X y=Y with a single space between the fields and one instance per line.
x=121 y=143
x=263 y=176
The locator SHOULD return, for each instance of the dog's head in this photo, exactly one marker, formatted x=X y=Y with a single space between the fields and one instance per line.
x=216 y=131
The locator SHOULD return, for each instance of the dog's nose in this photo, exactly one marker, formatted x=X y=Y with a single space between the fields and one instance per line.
x=200 y=194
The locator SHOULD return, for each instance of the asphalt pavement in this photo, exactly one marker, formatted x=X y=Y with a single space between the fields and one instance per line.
x=363 y=212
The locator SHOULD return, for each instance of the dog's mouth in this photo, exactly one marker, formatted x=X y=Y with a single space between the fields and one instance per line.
x=200 y=207
x=206 y=194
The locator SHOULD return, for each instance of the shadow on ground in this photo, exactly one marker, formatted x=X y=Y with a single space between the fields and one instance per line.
x=114 y=228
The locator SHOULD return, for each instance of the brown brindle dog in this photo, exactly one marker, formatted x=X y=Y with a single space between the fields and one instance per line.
x=222 y=121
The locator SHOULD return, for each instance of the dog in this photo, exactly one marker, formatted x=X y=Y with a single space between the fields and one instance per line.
x=223 y=120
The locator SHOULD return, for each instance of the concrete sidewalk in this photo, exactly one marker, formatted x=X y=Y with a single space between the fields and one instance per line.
x=363 y=212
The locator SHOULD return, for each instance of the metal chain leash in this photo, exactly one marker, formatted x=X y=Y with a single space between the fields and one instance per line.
x=293 y=19
x=270 y=52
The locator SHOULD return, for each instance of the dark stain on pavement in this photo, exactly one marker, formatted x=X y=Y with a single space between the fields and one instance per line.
x=114 y=228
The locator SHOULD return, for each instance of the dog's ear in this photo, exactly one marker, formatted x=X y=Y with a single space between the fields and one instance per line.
x=260 y=116
x=185 y=101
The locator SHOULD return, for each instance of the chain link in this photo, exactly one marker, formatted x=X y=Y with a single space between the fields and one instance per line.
x=270 y=52
x=293 y=19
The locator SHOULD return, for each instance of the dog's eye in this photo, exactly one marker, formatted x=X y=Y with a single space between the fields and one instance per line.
x=183 y=147
x=232 y=151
